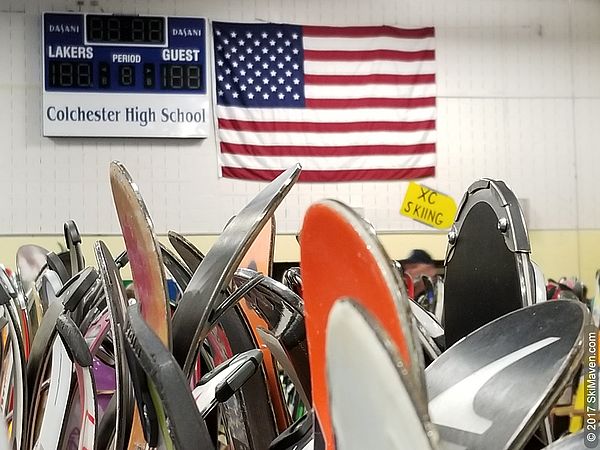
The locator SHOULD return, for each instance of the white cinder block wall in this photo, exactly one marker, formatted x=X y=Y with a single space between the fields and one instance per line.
x=518 y=100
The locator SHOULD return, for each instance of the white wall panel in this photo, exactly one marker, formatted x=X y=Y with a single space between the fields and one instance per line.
x=518 y=86
x=587 y=114
x=586 y=46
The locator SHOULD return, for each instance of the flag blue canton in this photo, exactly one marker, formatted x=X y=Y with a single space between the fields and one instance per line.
x=259 y=65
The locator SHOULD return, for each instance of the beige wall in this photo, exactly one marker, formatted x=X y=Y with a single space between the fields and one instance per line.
x=559 y=253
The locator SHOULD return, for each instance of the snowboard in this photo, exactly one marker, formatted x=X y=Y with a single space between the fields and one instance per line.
x=186 y=429
x=370 y=401
x=213 y=275
x=188 y=252
x=30 y=262
x=573 y=441
x=146 y=265
x=259 y=257
x=342 y=258
x=284 y=333
x=493 y=388
x=116 y=300
x=488 y=268
x=15 y=391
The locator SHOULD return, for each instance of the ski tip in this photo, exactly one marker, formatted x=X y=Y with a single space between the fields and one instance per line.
x=124 y=187
x=118 y=171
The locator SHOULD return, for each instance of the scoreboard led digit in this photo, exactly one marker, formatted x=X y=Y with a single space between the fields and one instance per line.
x=124 y=29
x=124 y=75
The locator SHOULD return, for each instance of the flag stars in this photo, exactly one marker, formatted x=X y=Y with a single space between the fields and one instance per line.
x=259 y=67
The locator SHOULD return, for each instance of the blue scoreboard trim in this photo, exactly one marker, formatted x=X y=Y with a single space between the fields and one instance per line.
x=65 y=41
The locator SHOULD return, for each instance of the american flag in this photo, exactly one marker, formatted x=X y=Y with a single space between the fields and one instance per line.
x=348 y=103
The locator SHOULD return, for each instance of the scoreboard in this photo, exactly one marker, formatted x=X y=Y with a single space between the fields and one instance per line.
x=124 y=75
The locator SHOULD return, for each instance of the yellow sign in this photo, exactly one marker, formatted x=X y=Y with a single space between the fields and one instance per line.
x=428 y=206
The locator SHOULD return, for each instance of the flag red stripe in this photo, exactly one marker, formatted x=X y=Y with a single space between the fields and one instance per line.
x=332 y=175
x=323 y=127
x=368 y=55
x=306 y=150
x=338 y=103
x=368 y=31
x=369 y=79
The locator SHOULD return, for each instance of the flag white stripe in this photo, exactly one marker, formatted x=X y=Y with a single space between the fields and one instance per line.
x=368 y=43
x=370 y=91
x=368 y=67
x=327 y=115
x=330 y=162
x=329 y=139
